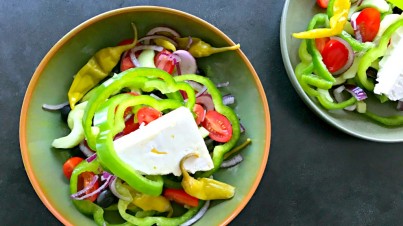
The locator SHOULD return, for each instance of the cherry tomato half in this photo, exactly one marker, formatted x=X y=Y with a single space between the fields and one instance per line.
x=320 y=43
x=130 y=126
x=218 y=125
x=200 y=113
x=367 y=24
x=323 y=3
x=69 y=166
x=147 y=115
x=164 y=61
x=126 y=63
x=335 y=55
x=84 y=179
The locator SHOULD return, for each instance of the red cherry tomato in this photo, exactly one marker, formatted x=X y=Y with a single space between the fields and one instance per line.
x=125 y=42
x=147 y=115
x=218 y=125
x=200 y=113
x=84 y=179
x=320 y=43
x=323 y=3
x=126 y=63
x=69 y=166
x=181 y=197
x=335 y=55
x=164 y=61
x=130 y=126
x=366 y=25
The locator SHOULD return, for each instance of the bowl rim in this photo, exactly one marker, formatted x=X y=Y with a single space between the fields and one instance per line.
x=111 y=13
x=306 y=99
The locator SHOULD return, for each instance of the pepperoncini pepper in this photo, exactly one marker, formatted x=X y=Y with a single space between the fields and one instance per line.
x=146 y=202
x=204 y=188
x=199 y=48
x=339 y=16
x=97 y=68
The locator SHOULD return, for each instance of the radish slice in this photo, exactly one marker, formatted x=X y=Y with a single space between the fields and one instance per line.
x=350 y=59
x=187 y=62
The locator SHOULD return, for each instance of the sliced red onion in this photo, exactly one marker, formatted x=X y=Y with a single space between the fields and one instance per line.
x=399 y=105
x=357 y=92
x=160 y=37
x=105 y=175
x=55 y=107
x=199 y=214
x=143 y=47
x=178 y=68
x=133 y=58
x=187 y=62
x=228 y=99
x=85 y=149
x=242 y=128
x=163 y=29
x=337 y=93
x=112 y=187
x=350 y=59
x=189 y=43
x=84 y=190
x=101 y=188
x=232 y=161
x=91 y=158
x=203 y=91
x=222 y=84
x=206 y=101
x=195 y=85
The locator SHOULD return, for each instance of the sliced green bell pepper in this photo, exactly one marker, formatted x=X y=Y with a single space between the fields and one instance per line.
x=84 y=206
x=375 y=53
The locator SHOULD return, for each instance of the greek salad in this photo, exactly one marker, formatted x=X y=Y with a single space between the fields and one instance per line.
x=352 y=50
x=148 y=131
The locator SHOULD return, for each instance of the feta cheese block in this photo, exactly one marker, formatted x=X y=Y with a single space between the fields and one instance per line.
x=158 y=147
x=390 y=74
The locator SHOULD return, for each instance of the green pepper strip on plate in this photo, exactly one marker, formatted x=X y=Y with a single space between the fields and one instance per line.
x=374 y=53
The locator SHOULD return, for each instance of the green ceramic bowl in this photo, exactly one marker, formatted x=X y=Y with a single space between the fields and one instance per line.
x=53 y=77
x=295 y=18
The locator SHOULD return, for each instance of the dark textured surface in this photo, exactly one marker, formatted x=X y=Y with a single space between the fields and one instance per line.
x=316 y=175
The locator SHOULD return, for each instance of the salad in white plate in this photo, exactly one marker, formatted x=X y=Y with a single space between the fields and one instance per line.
x=352 y=50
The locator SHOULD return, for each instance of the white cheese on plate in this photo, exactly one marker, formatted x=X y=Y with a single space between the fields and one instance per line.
x=158 y=147
x=390 y=74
